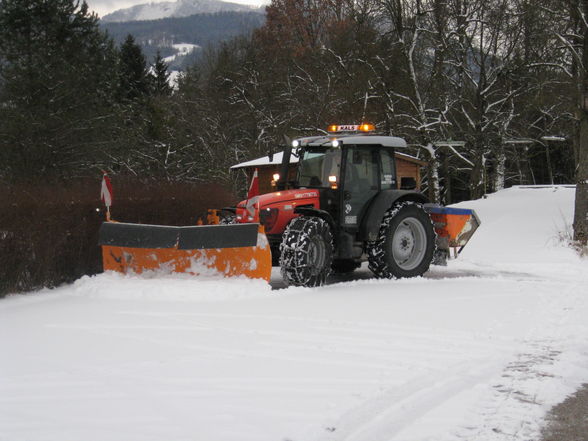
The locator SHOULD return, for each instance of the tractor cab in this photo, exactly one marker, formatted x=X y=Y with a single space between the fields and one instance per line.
x=349 y=167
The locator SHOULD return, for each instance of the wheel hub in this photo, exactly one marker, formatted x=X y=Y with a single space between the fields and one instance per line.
x=408 y=244
x=316 y=256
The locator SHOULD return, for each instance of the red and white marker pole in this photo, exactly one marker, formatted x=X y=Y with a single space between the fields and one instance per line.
x=106 y=194
x=254 y=187
x=252 y=193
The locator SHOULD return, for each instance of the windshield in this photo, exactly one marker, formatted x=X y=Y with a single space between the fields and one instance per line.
x=319 y=167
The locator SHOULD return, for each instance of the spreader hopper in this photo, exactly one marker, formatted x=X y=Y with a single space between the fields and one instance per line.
x=454 y=226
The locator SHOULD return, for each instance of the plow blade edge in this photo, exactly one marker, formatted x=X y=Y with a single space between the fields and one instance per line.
x=228 y=250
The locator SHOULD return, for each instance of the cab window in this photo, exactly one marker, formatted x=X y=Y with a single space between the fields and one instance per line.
x=319 y=168
x=362 y=169
x=388 y=176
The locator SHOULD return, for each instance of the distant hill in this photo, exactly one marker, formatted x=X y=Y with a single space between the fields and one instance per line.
x=199 y=30
x=180 y=8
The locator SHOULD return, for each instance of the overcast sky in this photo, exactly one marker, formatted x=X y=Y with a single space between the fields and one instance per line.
x=103 y=7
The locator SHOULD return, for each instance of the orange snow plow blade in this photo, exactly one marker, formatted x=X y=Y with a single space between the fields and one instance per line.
x=227 y=250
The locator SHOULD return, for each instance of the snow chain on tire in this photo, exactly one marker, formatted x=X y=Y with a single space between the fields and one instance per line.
x=405 y=244
x=306 y=252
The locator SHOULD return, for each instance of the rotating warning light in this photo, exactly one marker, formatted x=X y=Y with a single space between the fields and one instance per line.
x=367 y=128
x=334 y=128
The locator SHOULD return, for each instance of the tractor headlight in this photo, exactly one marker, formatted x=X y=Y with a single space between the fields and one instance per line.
x=268 y=218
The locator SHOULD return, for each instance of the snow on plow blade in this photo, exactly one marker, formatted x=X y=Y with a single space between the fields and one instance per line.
x=454 y=226
x=228 y=250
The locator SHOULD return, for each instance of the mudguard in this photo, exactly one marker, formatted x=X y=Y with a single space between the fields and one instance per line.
x=325 y=215
x=370 y=225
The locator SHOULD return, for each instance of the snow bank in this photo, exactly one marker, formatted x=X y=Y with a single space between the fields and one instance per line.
x=522 y=225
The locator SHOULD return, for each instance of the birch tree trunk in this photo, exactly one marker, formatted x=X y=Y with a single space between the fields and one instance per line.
x=478 y=176
x=433 y=174
x=500 y=169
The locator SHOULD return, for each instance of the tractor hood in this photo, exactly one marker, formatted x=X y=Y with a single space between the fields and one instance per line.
x=294 y=197
x=275 y=210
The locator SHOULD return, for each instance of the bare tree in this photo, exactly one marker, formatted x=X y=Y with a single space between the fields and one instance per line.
x=571 y=38
x=581 y=204
x=483 y=54
x=419 y=103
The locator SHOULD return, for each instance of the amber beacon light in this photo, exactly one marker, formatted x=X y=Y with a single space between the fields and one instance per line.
x=334 y=128
x=367 y=128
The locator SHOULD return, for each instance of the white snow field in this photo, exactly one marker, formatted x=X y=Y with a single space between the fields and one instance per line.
x=478 y=350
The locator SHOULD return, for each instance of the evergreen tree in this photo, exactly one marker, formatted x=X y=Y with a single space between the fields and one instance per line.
x=134 y=75
x=56 y=77
x=160 y=77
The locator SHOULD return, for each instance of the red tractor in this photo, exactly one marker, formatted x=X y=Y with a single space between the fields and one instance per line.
x=345 y=207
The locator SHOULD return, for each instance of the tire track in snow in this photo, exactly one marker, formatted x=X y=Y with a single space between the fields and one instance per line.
x=384 y=416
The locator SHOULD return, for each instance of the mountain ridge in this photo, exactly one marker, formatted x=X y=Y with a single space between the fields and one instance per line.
x=170 y=9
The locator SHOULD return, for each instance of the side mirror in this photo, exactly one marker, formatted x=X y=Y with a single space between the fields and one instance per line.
x=408 y=183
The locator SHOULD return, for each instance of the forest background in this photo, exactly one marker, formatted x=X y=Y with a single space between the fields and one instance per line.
x=490 y=93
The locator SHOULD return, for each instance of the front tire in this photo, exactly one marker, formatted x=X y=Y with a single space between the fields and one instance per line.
x=405 y=244
x=306 y=252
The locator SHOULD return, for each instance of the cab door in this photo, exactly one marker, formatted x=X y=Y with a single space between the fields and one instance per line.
x=361 y=182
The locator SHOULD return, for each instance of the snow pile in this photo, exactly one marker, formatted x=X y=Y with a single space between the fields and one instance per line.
x=521 y=225
x=477 y=350
x=153 y=286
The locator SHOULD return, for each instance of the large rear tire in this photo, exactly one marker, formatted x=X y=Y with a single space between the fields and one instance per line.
x=405 y=244
x=306 y=252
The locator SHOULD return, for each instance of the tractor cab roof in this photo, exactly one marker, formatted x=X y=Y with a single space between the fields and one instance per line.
x=353 y=139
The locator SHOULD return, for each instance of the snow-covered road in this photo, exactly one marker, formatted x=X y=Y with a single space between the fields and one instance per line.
x=477 y=350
